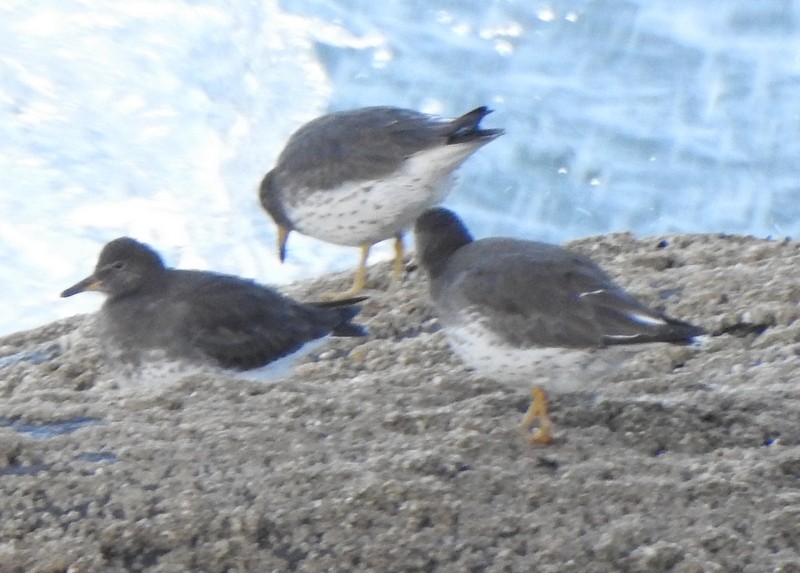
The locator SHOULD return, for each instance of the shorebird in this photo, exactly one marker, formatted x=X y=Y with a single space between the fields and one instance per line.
x=511 y=308
x=358 y=177
x=155 y=312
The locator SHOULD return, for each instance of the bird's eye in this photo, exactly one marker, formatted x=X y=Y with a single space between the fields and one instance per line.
x=118 y=265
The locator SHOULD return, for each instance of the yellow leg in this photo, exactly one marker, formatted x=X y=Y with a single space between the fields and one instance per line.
x=359 y=281
x=538 y=411
x=399 y=264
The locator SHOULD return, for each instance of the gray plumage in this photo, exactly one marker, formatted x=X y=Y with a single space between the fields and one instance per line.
x=358 y=177
x=528 y=295
x=365 y=144
x=532 y=313
x=201 y=316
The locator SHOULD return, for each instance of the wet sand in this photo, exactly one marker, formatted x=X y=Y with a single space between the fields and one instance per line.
x=385 y=454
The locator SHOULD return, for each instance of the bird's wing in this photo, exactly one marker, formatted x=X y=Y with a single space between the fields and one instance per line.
x=242 y=325
x=356 y=146
x=556 y=301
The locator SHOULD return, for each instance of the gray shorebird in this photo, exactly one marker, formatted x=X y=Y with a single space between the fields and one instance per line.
x=358 y=177
x=511 y=308
x=152 y=311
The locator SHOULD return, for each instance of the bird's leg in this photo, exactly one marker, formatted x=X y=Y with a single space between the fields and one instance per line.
x=538 y=411
x=399 y=263
x=359 y=281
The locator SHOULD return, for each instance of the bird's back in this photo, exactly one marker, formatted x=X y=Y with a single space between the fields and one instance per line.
x=368 y=144
x=229 y=321
x=540 y=294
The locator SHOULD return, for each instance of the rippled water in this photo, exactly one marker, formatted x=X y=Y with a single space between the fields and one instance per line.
x=157 y=119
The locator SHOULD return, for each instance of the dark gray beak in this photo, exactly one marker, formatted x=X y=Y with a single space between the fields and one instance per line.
x=89 y=283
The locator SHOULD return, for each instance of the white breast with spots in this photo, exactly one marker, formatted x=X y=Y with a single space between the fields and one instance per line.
x=366 y=212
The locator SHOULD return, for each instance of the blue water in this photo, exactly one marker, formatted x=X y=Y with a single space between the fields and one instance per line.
x=158 y=118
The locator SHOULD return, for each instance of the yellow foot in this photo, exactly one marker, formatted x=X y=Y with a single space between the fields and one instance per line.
x=359 y=281
x=352 y=292
x=344 y=295
x=538 y=411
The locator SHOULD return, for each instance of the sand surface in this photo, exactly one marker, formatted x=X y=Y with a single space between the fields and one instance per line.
x=385 y=454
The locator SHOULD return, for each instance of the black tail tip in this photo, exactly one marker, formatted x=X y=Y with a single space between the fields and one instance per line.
x=467 y=128
x=686 y=332
x=345 y=326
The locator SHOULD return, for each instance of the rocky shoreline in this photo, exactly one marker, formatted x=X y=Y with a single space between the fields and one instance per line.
x=385 y=454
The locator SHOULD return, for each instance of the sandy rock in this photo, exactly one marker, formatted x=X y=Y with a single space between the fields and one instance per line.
x=386 y=454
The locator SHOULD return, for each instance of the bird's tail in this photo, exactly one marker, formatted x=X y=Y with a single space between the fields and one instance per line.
x=466 y=128
x=347 y=310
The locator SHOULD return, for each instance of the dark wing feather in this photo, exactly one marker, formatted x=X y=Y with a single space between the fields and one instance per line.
x=356 y=145
x=538 y=294
x=368 y=143
x=520 y=304
x=466 y=128
x=243 y=325
x=620 y=317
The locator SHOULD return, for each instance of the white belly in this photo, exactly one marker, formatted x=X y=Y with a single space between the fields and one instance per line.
x=556 y=369
x=366 y=212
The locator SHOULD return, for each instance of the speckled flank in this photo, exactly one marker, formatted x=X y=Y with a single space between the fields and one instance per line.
x=365 y=212
x=557 y=369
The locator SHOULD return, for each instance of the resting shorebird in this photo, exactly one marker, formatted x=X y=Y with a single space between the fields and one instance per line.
x=155 y=312
x=358 y=177
x=511 y=308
